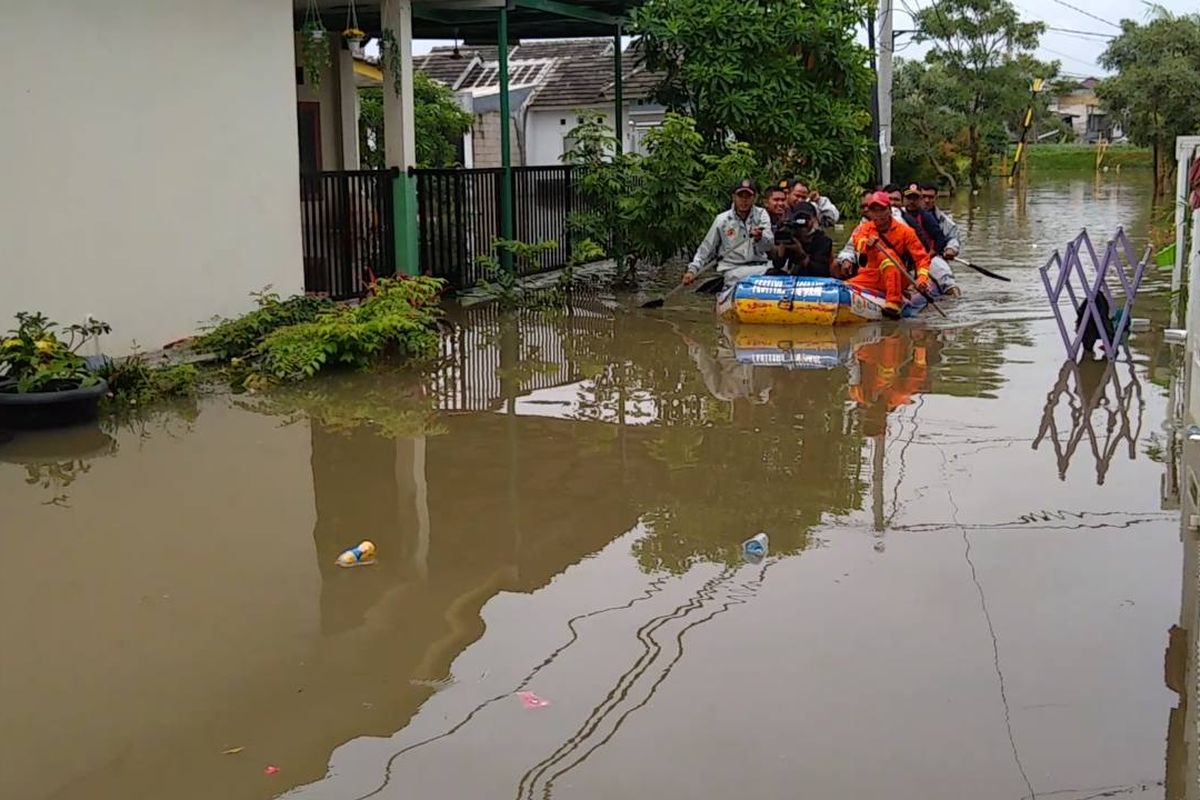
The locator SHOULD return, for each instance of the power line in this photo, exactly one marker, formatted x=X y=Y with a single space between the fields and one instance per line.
x=1081 y=33
x=1065 y=4
x=1068 y=56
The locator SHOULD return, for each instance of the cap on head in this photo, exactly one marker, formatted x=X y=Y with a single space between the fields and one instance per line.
x=881 y=199
x=745 y=186
x=912 y=190
x=805 y=211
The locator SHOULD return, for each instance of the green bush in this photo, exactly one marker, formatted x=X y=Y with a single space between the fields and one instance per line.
x=131 y=381
x=400 y=317
x=234 y=338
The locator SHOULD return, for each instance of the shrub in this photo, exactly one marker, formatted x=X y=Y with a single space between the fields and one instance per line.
x=400 y=316
x=233 y=338
x=131 y=381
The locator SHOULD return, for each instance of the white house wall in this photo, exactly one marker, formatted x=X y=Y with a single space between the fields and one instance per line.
x=149 y=161
x=327 y=96
x=544 y=133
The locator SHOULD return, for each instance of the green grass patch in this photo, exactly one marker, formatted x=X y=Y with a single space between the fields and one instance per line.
x=1079 y=157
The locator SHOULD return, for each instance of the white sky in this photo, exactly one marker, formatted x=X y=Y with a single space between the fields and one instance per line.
x=1077 y=52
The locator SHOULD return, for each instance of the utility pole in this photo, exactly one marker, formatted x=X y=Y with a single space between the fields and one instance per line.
x=887 y=45
x=876 y=165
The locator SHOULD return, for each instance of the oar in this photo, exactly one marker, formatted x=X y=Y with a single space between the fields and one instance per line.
x=659 y=302
x=900 y=266
x=981 y=270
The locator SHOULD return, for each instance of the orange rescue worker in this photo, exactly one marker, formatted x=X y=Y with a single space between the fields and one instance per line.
x=883 y=247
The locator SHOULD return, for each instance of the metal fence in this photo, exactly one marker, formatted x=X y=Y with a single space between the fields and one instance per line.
x=459 y=217
x=348 y=229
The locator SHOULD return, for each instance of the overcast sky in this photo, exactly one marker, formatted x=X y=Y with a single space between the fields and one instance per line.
x=1076 y=47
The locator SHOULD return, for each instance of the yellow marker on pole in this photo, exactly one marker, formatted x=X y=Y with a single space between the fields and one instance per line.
x=1034 y=87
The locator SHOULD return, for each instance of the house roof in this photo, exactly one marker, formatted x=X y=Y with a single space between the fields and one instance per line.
x=567 y=73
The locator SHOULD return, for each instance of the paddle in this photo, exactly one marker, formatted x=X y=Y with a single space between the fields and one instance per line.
x=981 y=270
x=659 y=302
x=696 y=286
x=900 y=266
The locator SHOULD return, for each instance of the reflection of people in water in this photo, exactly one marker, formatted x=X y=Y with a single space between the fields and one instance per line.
x=887 y=374
x=727 y=378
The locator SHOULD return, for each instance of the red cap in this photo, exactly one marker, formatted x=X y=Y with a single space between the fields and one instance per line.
x=879 y=199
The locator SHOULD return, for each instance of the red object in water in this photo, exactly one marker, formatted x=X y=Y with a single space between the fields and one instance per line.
x=271 y=769
x=531 y=700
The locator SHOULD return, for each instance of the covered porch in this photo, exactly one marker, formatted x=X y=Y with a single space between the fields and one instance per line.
x=359 y=224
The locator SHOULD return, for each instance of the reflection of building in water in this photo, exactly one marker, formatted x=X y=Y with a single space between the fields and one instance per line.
x=1091 y=387
x=1182 y=659
x=490 y=350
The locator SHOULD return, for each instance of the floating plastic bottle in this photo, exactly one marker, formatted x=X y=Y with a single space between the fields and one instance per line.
x=358 y=556
x=755 y=549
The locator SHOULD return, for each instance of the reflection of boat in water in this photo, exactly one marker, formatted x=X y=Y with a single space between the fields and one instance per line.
x=798 y=346
x=788 y=300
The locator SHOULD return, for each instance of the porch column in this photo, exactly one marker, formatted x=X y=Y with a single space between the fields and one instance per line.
x=347 y=105
x=618 y=92
x=399 y=132
x=506 y=177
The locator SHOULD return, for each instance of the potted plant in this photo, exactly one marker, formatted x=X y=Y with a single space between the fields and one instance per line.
x=353 y=34
x=44 y=382
x=315 y=55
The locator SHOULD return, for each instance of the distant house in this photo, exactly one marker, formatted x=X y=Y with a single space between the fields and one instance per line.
x=550 y=83
x=1081 y=110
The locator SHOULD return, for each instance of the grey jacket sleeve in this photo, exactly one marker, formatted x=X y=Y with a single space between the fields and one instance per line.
x=764 y=245
x=828 y=212
x=848 y=253
x=707 y=250
x=950 y=230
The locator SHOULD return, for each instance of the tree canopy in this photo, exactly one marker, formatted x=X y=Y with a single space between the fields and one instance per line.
x=440 y=125
x=979 y=73
x=1156 y=91
x=787 y=78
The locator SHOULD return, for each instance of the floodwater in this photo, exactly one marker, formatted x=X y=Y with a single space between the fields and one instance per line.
x=972 y=590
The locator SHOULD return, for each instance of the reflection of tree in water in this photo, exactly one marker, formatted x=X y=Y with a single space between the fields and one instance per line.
x=774 y=451
x=970 y=360
x=391 y=403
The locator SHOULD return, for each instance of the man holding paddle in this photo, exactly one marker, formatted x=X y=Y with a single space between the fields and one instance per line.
x=740 y=239
x=884 y=249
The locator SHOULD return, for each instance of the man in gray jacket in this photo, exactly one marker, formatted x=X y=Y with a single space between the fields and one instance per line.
x=740 y=239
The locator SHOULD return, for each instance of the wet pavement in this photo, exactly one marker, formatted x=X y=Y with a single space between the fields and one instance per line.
x=973 y=577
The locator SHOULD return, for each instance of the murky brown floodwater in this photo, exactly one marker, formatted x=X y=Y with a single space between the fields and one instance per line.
x=967 y=596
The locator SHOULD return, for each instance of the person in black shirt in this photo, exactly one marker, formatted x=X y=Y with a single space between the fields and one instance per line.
x=813 y=253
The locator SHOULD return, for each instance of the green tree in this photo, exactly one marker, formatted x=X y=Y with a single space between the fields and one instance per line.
x=654 y=206
x=926 y=126
x=440 y=124
x=1156 y=91
x=985 y=51
x=786 y=77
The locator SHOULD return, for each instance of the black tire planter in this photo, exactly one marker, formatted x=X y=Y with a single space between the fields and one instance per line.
x=66 y=404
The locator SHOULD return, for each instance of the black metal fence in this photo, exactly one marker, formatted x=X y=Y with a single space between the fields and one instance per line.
x=459 y=217
x=349 y=230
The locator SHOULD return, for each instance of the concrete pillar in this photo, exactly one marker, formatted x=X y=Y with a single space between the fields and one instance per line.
x=347 y=105
x=399 y=138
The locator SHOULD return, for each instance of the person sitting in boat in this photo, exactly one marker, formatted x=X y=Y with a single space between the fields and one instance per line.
x=848 y=254
x=775 y=202
x=827 y=212
x=882 y=249
x=808 y=249
x=929 y=196
x=929 y=231
x=895 y=195
x=740 y=239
